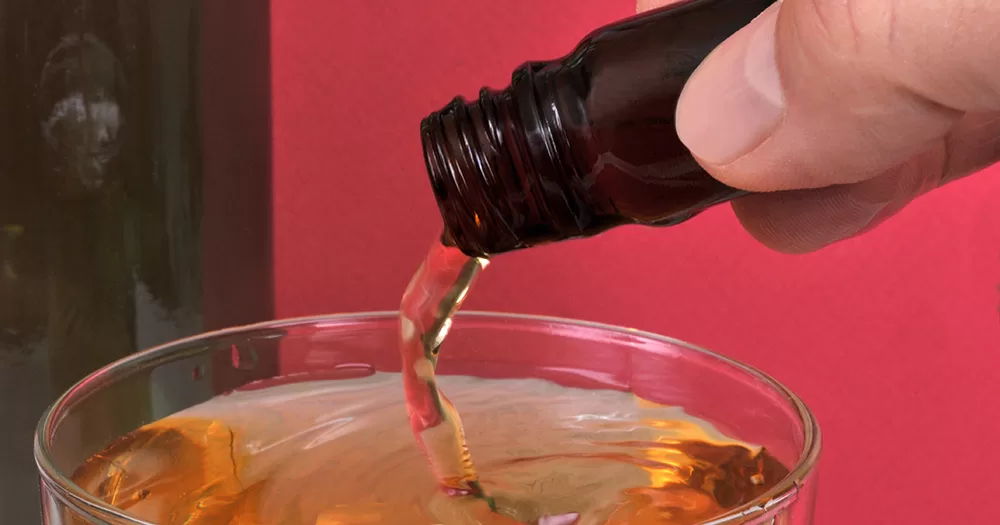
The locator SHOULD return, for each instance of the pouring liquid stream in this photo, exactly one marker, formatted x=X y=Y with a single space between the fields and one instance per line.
x=321 y=451
x=435 y=293
x=429 y=303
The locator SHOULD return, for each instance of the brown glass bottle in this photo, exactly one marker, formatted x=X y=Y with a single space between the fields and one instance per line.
x=579 y=145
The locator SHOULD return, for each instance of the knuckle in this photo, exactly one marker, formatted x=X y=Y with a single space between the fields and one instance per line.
x=855 y=28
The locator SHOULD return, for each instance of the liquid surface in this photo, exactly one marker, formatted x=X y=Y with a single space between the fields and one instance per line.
x=340 y=452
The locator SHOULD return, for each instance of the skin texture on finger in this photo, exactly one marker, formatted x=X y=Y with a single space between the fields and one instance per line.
x=972 y=145
x=866 y=84
x=911 y=134
x=800 y=221
x=642 y=6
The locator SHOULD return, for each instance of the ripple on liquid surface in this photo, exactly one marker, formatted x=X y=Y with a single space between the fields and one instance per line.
x=341 y=452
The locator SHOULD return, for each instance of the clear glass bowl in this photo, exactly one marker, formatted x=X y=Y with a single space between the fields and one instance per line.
x=739 y=400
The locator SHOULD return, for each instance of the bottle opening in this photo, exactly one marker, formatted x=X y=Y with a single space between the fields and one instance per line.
x=476 y=172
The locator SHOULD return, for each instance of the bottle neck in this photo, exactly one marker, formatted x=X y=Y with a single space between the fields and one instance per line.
x=500 y=171
x=585 y=143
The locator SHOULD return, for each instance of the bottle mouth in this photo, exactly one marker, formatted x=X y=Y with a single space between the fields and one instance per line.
x=474 y=176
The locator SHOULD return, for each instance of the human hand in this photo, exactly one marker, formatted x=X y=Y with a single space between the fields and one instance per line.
x=855 y=106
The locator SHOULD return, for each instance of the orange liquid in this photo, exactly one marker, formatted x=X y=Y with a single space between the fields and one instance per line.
x=340 y=452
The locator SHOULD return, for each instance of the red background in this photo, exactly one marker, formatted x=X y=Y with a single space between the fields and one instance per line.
x=893 y=338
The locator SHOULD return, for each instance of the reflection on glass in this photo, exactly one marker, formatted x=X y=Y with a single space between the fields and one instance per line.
x=102 y=200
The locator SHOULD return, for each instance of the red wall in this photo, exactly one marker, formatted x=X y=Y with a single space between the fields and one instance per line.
x=893 y=339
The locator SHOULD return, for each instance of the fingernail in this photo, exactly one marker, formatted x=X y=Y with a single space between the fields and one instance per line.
x=734 y=99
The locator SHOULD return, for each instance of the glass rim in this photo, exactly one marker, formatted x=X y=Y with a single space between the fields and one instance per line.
x=69 y=493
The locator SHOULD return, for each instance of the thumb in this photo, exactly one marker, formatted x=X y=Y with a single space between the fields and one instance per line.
x=819 y=93
x=855 y=107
